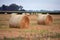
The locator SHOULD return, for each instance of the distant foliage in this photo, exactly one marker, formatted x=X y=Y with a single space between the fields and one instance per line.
x=12 y=7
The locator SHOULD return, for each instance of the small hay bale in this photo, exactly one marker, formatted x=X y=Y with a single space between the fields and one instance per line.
x=5 y=13
x=27 y=14
x=19 y=21
x=23 y=13
x=13 y=14
x=44 y=19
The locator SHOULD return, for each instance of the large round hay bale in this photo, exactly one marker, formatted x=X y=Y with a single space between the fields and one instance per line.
x=19 y=21
x=44 y=19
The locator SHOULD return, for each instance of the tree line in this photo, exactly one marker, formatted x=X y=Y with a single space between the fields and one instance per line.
x=12 y=7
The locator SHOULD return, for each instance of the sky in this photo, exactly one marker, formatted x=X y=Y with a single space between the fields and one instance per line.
x=34 y=4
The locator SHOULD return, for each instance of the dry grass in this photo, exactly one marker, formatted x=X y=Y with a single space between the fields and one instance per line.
x=34 y=32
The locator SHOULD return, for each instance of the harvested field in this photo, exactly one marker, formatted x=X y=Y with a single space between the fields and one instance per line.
x=34 y=32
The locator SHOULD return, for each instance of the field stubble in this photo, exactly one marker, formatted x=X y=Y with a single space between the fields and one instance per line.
x=34 y=32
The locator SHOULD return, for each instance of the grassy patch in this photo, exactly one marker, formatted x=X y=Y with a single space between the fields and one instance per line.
x=56 y=35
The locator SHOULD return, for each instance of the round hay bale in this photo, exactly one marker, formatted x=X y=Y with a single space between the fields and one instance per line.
x=45 y=19
x=13 y=14
x=19 y=21
x=23 y=13
x=28 y=14
x=5 y=13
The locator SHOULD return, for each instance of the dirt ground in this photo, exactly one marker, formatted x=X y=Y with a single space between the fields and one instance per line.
x=7 y=32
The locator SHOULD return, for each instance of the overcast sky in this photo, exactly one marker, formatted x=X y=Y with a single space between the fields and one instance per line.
x=34 y=4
